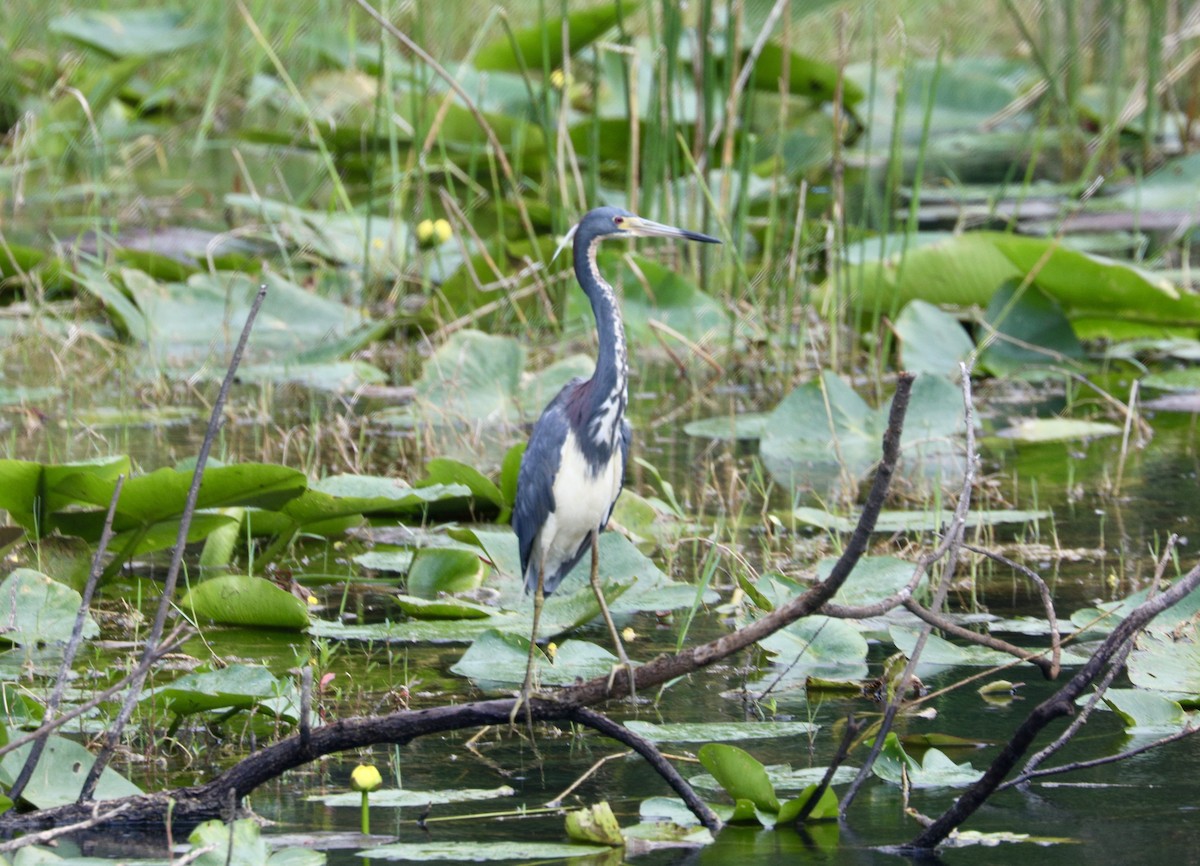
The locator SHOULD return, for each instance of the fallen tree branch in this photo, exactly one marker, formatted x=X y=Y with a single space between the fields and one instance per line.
x=184 y=807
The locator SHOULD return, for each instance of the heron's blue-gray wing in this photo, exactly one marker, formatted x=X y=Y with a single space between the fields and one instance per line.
x=626 y=440
x=535 y=485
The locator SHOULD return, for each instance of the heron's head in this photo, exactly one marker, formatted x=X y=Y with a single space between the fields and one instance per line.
x=618 y=222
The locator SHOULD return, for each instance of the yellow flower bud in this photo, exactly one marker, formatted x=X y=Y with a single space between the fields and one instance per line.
x=560 y=80
x=432 y=232
x=312 y=599
x=365 y=778
x=551 y=650
x=628 y=635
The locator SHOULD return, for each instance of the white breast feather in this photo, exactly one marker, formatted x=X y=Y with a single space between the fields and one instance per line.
x=579 y=507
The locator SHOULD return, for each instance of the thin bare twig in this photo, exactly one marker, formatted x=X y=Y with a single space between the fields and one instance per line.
x=168 y=592
x=1114 y=668
x=64 y=669
x=949 y=547
x=53 y=833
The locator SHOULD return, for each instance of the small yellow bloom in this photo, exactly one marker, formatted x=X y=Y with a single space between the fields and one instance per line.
x=377 y=243
x=430 y=232
x=628 y=634
x=312 y=599
x=551 y=650
x=560 y=80
x=365 y=778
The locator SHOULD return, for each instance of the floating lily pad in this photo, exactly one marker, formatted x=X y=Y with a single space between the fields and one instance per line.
x=1146 y=712
x=1057 y=430
x=438 y=570
x=934 y=770
x=131 y=32
x=706 y=732
x=479 y=851
x=400 y=798
x=750 y=425
x=500 y=659
x=238 y=686
x=916 y=521
x=242 y=844
x=931 y=340
x=238 y=599
x=1167 y=659
x=442 y=608
x=58 y=777
x=35 y=609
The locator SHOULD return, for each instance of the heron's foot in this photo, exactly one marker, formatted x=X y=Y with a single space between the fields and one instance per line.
x=628 y=666
x=523 y=701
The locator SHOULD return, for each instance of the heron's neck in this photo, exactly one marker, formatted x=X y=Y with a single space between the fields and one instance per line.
x=612 y=362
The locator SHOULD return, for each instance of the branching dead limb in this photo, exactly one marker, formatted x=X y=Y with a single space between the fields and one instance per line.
x=187 y=806
x=1061 y=703
x=948 y=548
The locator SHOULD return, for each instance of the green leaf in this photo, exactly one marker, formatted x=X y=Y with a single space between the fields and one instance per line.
x=35 y=609
x=442 y=608
x=704 y=732
x=915 y=521
x=198 y=321
x=1030 y=331
x=336 y=236
x=966 y=270
x=935 y=770
x=595 y=824
x=131 y=32
x=400 y=798
x=1057 y=430
x=237 y=599
x=541 y=46
x=825 y=810
x=816 y=645
x=509 y=471
x=742 y=777
x=472 y=376
x=238 y=686
x=931 y=341
x=336 y=376
x=1166 y=658
x=58 y=777
x=438 y=570
x=499 y=659
x=1145 y=711
x=807 y=76
x=750 y=425
x=478 y=851
x=244 y=846
x=443 y=470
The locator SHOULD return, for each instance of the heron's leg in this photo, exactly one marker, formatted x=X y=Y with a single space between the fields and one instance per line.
x=539 y=598
x=608 y=620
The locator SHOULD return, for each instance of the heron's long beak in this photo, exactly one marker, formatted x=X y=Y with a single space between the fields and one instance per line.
x=644 y=228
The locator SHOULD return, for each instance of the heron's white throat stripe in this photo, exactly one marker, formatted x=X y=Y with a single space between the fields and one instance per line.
x=605 y=426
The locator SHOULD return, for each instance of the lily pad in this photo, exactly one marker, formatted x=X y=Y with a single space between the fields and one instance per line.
x=931 y=340
x=706 y=732
x=403 y=797
x=438 y=570
x=58 y=777
x=35 y=609
x=916 y=521
x=934 y=770
x=1146 y=712
x=237 y=599
x=500 y=659
x=131 y=32
x=238 y=686
x=1057 y=430
x=479 y=851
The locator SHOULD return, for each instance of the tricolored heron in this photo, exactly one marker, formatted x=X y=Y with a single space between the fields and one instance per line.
x=574 y=466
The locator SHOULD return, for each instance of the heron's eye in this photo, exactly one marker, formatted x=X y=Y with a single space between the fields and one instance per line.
x=617 y=220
